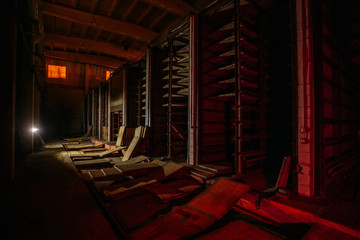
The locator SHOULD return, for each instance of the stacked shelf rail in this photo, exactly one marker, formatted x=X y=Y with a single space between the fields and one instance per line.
x=340 y=115
x=233 y=94
x=116 y=123
x=104 y=110
x=141 y=97
x=175 y=85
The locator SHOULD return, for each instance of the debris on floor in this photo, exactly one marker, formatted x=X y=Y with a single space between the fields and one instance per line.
x=158 y=198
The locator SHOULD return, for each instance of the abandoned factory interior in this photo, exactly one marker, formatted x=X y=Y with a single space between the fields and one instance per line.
x=180 y=119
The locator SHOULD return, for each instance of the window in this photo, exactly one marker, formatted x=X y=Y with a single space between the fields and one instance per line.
x=55 y=71
x=108 y=74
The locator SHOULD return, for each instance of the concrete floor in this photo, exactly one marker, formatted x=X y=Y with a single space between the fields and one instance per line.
x=48 y=200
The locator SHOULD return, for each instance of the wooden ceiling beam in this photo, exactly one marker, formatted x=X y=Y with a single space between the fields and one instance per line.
x=141 y=17
x=112 y=7
x=129 y=9
x=177 y=7
x=84 y=58
x=93 y=20
x=157 y=19
x=98 y=46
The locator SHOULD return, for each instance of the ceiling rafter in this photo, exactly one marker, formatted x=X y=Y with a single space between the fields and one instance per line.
x=93 y=45
x=177 y=7
x=124 y=16
x=94 y=5
x=157 y=19
x=129 y=9
x=141 y=17
x=84 y=58
x=106 y=23
x=112 y=7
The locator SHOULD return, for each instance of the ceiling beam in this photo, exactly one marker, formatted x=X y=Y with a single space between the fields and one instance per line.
x=98 y=46
x=177 y=7
x=141 y=17
x=93 y=20
x=157 y=19
x=84 y=58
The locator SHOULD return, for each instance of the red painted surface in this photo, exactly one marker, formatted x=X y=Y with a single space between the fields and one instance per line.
x=305 y=98
x=239 y=230
x=200 y=213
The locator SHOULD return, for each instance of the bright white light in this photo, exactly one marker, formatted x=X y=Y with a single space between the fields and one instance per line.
x=34 y=129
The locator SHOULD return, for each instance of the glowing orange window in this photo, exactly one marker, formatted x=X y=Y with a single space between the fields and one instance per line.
x=55 y=71
x=108 y=74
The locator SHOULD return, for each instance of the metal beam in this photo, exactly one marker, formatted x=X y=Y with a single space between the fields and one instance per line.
x=176 y=7
x=94 y=20
x=84 y=58
x=98 y=46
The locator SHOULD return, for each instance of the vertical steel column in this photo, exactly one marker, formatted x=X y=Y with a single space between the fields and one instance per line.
x=124 y=112
x=238 y=129
x=263 y=83
x=93 y=112
x=170 y=99
x=108 y=112
x=138 y=114
x=193 y=96
x=306 y=125
x=87 y=111
x=148 y=87
x=100 y=113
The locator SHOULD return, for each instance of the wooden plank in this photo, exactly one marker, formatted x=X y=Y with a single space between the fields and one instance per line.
x=99 y=149
x=108 y=152
x=95 y=155
x=167 y=169
x=159 y=171
x=223 y=167
x=85 y=58
x=86 y=163
x=120 y=138
x=284 y=173
x=98 y=21
x=83 y=146
x=180 y=222
x=197 y=215
x=133 y=160
x=92 y=45
x=120 y=189
x=219 y=198
x=137 y=135
x=174 y=189
x=176 y=7
x=143 y=205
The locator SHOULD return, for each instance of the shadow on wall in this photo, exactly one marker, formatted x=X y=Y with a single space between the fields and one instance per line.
x=63 y=113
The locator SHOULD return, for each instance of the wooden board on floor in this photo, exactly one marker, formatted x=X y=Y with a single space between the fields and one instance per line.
x=135 y=209
x=137 y=159
x=163 y=170
x=95 y=154
x=200 y=213
x=180 y=222
x=174 y=189
x=167 y=169
x=319 y=231
x=83 y=146
x=91 y=162
x=223 y=167
x=119 y=171
x=122 y=190
x=219 y=198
